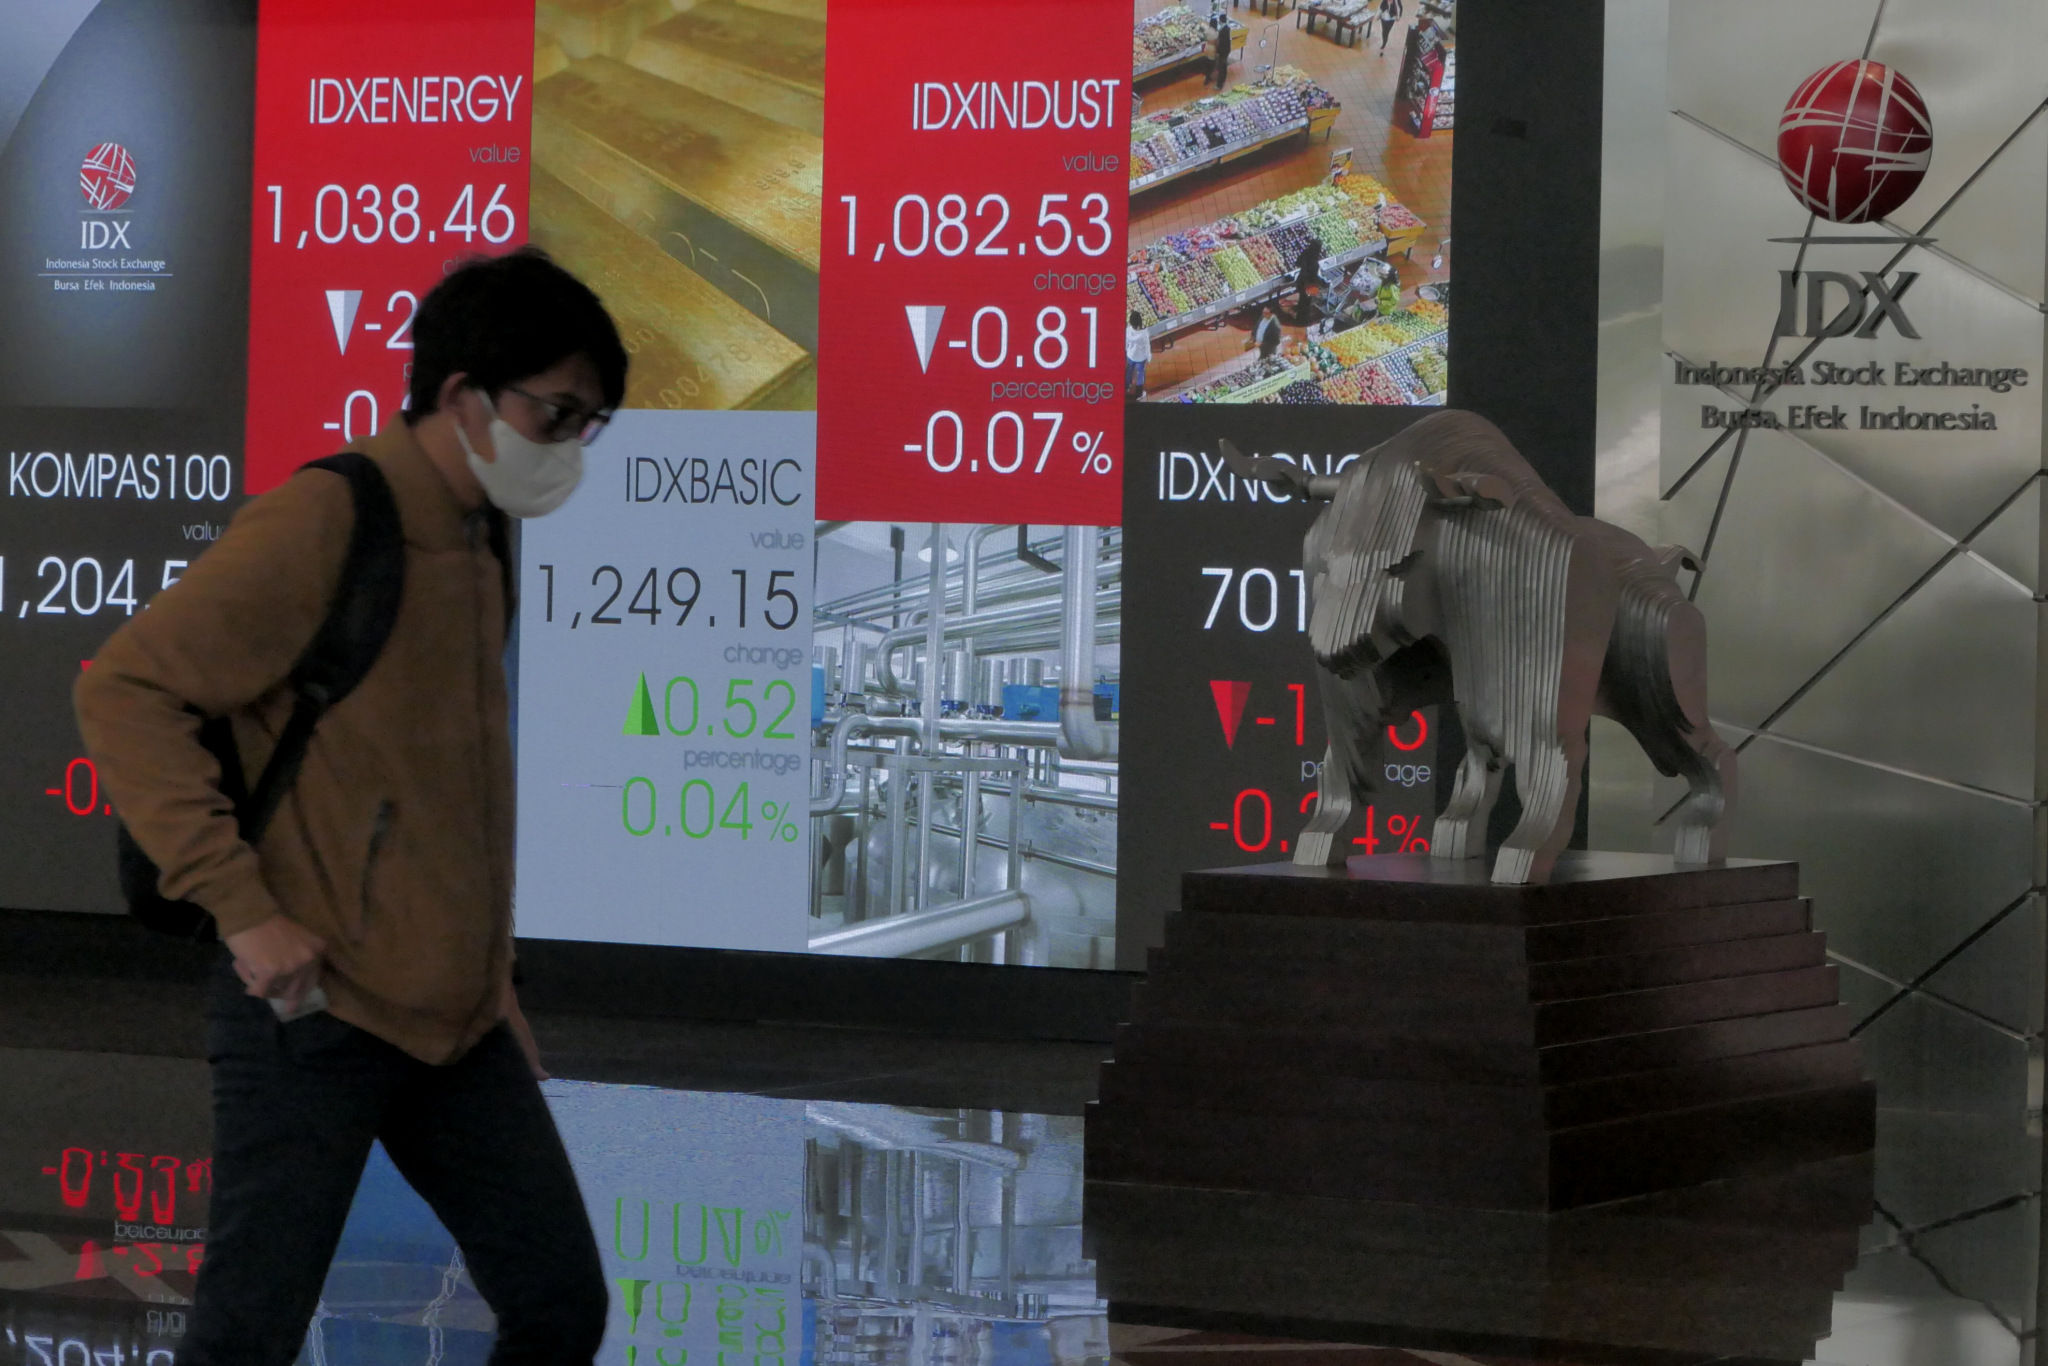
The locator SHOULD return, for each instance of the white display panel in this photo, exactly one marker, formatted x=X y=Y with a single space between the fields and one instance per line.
x=665 y=688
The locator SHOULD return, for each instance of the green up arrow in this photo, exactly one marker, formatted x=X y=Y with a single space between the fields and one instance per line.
x=640 y=719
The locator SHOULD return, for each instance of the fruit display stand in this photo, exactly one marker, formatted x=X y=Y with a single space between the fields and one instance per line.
x=1188 y=280
x=1347 y=18
x=1397 y=223
x=1173 y=38
x=1399 y=358
x=1361 y=366
x=1218 y=129
x=1260 y=379
x=1412 y=375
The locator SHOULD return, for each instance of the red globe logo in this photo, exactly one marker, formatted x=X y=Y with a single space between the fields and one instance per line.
x=1854 y=141
x=108 y=176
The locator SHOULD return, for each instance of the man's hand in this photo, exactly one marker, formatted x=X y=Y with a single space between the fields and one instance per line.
x=277 y=959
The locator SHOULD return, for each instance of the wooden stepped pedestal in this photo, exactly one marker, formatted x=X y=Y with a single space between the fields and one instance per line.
x=1404 y=1030
x=1745 y=1269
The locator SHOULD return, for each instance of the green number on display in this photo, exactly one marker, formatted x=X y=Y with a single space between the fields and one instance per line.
x=626 y=807
x=668 y=705
x=768 y=694
x=710 y=807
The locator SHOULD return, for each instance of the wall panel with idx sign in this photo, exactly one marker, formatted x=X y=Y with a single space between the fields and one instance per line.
x=1845 y=424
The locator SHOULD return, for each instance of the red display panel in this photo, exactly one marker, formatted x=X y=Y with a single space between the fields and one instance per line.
x=391 y=144
x=972 y=276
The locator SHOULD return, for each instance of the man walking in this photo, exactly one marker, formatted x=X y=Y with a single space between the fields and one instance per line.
x=366 y=992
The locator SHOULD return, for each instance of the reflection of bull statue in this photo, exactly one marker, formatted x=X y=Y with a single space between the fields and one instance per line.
x=1441 y=548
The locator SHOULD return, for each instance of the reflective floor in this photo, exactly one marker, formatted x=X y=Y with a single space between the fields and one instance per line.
x=786 y=1220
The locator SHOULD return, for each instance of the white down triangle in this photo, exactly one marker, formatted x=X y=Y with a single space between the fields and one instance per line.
x=341 y=307
x=924 y=330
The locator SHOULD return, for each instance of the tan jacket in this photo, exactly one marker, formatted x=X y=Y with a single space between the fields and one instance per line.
x=395 y=845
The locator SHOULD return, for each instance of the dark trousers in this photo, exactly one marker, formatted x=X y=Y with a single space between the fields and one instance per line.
x=295 y=1108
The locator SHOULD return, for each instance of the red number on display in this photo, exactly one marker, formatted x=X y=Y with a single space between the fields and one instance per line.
x=1237 y=820
x=163 y=1205
x=128 y=1192
x=91 y=773
x=1421 y=733
x=74 y=1178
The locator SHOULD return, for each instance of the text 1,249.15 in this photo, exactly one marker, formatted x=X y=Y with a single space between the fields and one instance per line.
x=674 y=595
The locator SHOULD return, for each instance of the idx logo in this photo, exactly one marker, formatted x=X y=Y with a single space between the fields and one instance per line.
x=1865 y=305
x=100 y=234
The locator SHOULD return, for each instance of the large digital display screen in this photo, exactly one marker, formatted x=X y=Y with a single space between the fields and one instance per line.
x=907 y=609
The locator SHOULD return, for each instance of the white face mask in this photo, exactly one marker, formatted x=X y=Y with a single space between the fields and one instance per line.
x=529 y=478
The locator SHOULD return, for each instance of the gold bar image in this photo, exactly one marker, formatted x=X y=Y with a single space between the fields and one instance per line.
x=679 y=159
x=772 y=65
x=598 y=28
x=794 y=9
x=548 y=58
x=735 y=197
x=691 y=346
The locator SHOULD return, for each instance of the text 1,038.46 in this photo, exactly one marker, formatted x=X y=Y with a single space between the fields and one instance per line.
x=83 y=586
x=369 y=214
x=624 y=596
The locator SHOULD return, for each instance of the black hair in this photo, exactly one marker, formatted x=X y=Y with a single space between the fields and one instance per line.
x=502 y=319
x=1137 y=318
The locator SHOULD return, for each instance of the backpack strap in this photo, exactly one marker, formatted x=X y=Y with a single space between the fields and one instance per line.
x=500 y=533
x=358 y=623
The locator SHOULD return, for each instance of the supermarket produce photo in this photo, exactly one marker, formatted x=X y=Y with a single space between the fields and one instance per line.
x=1294 y=153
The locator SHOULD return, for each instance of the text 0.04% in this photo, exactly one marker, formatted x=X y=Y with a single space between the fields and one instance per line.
x=699 y=812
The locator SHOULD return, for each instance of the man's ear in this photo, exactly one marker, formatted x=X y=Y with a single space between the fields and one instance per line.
x=450 y=387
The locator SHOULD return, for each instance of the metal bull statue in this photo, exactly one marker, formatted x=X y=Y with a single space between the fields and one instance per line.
x=1443 y=570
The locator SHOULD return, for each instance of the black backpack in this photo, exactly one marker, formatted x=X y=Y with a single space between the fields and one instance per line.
x=359 y=621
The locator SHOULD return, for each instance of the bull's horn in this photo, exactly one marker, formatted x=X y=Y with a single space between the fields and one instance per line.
x=1672 y=558
x=1278 y=475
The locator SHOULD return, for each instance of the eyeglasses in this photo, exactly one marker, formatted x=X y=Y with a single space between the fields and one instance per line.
x=566 y=420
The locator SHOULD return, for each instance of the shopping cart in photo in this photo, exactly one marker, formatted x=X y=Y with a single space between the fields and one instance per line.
x=1346 y=299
